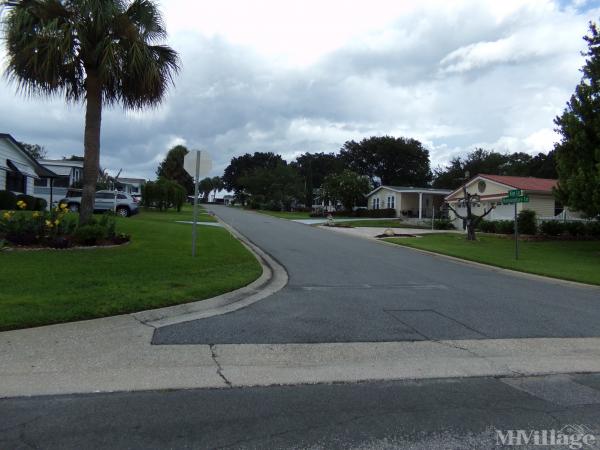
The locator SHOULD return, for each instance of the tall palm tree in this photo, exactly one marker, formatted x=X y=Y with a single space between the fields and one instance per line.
x=99 y=52
x=218 y=186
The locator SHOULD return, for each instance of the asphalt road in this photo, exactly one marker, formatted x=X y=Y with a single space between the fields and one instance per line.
x=436 y=414
x=346 y=289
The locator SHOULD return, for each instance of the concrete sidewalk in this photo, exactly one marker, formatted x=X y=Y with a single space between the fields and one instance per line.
x=115 y=354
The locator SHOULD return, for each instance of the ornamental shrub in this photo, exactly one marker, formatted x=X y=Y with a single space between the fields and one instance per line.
x=443 y=224
x=505 y=226
x=8 y=200
x=40 y=204
x=29 y=201
x=375 y=213
x=487 y=226
x=90 y=234
x=526 y=221
x=552 y=228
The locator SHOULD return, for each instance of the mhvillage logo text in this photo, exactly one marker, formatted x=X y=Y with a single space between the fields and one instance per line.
x=570 y=436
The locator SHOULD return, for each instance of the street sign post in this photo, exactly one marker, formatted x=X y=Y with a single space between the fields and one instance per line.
x=515 y=196
x=197 y=164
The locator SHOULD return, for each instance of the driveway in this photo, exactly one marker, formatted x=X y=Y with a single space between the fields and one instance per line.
x=344 y=289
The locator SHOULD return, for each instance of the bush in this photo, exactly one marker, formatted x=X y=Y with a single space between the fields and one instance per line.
x=8 y=200
x=40 y=204
x=505 y=226
x=527 y=222
x=29 y=201
x=487 y=226
x=375 y=213
x=90 y=234
x=592 y=229
x=163 y=194
x=552 y=228
x=443 y=224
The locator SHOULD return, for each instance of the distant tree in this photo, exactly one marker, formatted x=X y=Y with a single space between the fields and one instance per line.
x=244 y=165
x=35 y=150
x=578 y=152
x=543 y=165
x=98 y=52
x=276 y=188
x=218 y=185
x=389 y=160
x=73 y=158
x=171 y=168
x=205 y=186
x=313 y=168
x=347 y=187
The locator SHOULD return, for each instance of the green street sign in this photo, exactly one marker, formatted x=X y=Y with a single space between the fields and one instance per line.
x=512 y=200
x=515 y=193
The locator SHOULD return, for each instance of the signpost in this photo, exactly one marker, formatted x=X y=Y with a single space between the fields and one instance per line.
x=515 y=196
x=197 y=163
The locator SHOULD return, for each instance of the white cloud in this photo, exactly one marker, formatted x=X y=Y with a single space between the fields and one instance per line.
x=292 y=77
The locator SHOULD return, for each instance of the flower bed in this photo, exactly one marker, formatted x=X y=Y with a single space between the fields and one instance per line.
x=57 y=228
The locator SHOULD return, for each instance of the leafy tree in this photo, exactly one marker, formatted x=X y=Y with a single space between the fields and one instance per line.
x=471 y=219
x=35 y=150
x=392 y=161
x=578 y=152
x=99 y=52
x=242 y=166
x=205 y=186
x=217 y=184
x=171 y=168
x=313 y=168
x=348 y=187
x=276 y=188
x=543 y=165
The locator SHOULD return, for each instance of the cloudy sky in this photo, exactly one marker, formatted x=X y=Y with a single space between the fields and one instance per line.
x=294 y=77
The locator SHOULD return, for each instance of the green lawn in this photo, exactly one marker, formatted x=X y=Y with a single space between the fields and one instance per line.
x=156 y=269
x=569 y=260
x=383 y=223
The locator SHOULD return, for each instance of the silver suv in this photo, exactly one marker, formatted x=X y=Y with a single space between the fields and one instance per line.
x=120 y=202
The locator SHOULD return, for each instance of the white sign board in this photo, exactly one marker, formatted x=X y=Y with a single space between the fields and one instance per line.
x=189 y=163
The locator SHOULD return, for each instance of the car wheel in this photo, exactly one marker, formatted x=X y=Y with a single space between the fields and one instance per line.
x=73 y=207
x=123 y=212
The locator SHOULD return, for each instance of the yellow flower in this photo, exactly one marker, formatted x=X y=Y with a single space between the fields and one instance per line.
x=49 y=223
x=21 y=204
x=63 y=206
x=35 y=215
x=7 y=215
x=56 y=222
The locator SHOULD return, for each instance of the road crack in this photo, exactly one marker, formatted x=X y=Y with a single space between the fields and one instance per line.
x=214 y=356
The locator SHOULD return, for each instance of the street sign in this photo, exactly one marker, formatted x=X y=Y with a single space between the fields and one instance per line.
x=519 y=199
x=515 y=196
x=189 y=163
x=197 y=164
x=515 y=193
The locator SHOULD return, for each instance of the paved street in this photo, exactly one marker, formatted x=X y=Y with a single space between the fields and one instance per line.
x=435 y=414
x=346 y=289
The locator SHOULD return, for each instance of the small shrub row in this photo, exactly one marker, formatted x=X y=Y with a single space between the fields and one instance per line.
x=573 y=229
x=443 y=224
x=9 y=200
x=56 y=228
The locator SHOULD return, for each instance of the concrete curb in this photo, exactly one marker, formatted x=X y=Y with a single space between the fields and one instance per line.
x=531 y=276
x=274 y=277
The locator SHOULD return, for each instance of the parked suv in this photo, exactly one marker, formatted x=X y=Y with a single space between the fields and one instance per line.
x=120 y=202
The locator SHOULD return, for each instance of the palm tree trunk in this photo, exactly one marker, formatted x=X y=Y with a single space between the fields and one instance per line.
x=91 y=157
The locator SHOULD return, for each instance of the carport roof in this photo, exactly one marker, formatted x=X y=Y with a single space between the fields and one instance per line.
x=411 y=189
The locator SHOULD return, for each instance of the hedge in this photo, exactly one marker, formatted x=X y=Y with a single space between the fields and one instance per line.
x=573 y=229
x=8 y=200
x=163 y=194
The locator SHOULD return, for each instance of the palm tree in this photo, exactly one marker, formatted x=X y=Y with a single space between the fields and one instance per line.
x=99 y=52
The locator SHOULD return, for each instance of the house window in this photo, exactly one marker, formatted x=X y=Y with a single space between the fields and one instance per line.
x=41 y=182
x=16 y=182
x=62 y=182
x=391 y=202
x=376 y=203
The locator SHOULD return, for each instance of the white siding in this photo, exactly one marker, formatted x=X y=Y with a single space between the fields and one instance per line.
x=8 y=151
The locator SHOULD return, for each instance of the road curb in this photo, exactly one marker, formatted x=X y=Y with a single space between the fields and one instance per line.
x=273 y=278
